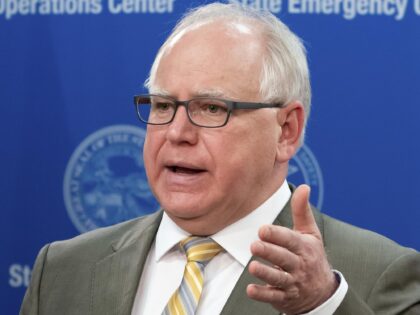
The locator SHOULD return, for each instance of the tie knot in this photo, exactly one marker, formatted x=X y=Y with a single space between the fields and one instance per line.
x=200 y=249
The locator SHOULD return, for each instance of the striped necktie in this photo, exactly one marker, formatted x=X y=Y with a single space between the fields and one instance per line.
x=199 y=251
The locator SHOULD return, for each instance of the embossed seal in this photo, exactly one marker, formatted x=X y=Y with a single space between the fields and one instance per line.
x=105 y=181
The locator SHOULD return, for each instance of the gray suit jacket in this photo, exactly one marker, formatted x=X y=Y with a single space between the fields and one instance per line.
x=97 y=273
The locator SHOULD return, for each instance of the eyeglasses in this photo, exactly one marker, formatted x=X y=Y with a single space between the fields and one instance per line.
x=206 y=112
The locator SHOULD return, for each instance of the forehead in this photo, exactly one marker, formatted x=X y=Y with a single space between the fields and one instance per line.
x=218 y=58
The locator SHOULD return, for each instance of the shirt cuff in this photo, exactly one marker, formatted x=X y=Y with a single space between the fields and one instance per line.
x=330 y=305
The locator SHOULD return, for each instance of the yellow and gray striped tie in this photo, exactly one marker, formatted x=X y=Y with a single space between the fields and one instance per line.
x=199 y=251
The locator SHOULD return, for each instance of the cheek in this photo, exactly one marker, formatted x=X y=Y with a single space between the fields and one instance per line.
x=150 y=151
x=244 y=157
x=250 y=159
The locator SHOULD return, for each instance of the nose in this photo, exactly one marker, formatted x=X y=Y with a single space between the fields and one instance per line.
x=181 y=130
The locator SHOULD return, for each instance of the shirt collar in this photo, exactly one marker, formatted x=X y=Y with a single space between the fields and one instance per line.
x=236 y=238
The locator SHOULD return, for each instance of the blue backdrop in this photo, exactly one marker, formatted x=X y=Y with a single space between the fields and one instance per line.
x=71 y=144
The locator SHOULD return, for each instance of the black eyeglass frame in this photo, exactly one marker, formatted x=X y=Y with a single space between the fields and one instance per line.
x=231 y=105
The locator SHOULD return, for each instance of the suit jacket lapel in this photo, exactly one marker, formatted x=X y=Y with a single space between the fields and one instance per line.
x=115 y=278
x=239 y=302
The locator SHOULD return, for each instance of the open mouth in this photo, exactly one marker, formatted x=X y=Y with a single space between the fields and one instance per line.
x=184 y=170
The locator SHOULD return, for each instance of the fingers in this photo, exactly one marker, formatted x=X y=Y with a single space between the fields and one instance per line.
x=273 y=276
x=296 y=276
x=277 y=255
x=303 y=218
x=281 y=236
x=264 y=293
x=304 y=223
x=270 y=294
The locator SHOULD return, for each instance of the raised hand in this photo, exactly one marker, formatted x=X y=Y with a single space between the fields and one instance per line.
x=297 y=274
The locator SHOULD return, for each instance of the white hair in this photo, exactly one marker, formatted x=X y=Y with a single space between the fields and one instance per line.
x=284 y=75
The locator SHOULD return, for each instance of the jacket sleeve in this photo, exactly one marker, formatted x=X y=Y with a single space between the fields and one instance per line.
x=353 y=304
x=396 y=291
x=30 y=304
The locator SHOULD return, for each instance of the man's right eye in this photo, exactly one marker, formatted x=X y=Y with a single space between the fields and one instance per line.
x=162 y=106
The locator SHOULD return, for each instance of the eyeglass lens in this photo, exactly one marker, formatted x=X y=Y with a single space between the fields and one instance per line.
x=208 y=112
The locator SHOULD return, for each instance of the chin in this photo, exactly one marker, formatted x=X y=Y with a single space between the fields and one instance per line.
x=180 y=203
x=196 y=225
x=183 y=212
x=185 y=209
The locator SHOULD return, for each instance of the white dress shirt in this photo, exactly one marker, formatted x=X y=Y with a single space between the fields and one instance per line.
x=164 y=267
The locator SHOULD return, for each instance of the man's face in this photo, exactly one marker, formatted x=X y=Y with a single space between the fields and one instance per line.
x=206 y=178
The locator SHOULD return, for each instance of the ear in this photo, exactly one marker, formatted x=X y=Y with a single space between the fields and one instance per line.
x=291 y=120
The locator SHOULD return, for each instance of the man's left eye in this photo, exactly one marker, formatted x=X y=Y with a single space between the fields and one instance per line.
x=213 y=108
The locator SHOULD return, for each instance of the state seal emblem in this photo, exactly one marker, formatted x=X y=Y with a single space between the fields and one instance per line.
x=304 y=169
x=105 y=181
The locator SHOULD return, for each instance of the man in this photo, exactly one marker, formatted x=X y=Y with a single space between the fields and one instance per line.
x=229 y=99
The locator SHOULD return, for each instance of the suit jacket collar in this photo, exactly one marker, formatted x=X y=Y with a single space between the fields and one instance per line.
x=115 y=278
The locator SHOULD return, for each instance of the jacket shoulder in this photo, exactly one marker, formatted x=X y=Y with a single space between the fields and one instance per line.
x=351 y=240
x=93 y=245
x=362 y=256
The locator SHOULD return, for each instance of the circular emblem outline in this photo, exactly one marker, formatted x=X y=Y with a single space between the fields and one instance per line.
x=76 y=211
x=312 y=175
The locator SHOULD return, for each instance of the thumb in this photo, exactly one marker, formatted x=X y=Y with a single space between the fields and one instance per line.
x=303 y=218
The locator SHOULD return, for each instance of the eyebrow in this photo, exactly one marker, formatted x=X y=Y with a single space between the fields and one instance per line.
x=210 y=93
x=159 y=91
x=217 y=93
